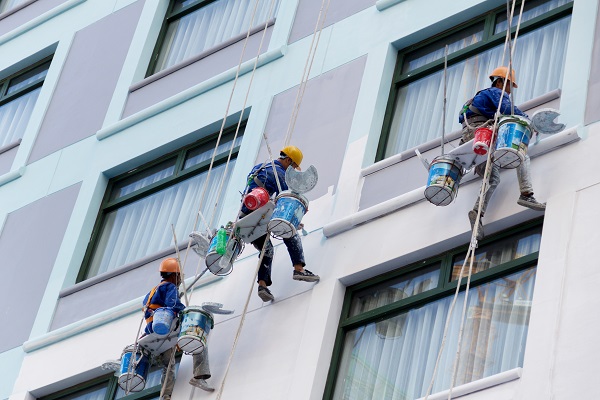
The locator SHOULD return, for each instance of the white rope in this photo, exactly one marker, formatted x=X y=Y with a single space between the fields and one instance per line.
x=472 y=245
x=307 y=67
x=444 y=103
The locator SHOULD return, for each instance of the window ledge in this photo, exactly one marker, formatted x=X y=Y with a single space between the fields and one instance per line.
x=385 y=4
x=481 y=384
x=204 y=54
x=48 y=15
x=10 y=146
x=11 y=176
x=17 y=8
x=105 y=317
x=188 y=94
x=432 y=144
x=546 y=145
x=116 y=272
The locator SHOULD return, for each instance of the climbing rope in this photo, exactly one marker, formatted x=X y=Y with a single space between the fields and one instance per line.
x=473 y=243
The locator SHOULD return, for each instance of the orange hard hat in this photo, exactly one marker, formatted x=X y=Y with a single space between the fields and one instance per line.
x=169 y=265
x=502 y=72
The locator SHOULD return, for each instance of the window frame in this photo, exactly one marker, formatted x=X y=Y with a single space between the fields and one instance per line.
x=488 y=41
x=179 y=175
x=171 y=16
x=445 y=288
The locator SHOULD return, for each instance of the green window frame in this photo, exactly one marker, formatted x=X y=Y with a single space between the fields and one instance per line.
x=184 y=12
x=152 y=179
x=440 y=272
x=492 y=32
x=18 y=95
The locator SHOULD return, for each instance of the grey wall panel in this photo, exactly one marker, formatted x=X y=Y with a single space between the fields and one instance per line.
x=592 y=107
x=323 y=124
x=6 y=160
x=29 y=244
x=12 y=20
x=87 y=81
x=308 y=12
x=113 y=292
x=195 y=73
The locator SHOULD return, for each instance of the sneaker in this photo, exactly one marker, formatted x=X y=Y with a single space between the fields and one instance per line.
x=201 y=384
x=265 y=294
x=305 y=276
x=472 y=219
x=530 y=202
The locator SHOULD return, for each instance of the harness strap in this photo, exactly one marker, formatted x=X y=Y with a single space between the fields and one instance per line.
x=152 y=306
x=254 y=176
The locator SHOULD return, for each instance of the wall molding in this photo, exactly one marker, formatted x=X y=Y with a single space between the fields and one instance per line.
x=385 y=4
x=11 y=176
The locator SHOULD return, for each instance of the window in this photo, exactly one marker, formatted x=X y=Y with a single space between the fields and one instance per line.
x=392 y=326
x=18 y=94
x=194 y=26
x=6 y=5
x=140 y=206
x=414 y=111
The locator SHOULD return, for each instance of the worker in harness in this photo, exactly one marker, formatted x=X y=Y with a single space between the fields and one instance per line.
x=479 y=110
x=262 y=175
x=165 y=294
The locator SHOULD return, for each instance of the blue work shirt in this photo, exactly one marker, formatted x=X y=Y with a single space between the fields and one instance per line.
x=486 y=101
x=267 y=177
x=165 y=296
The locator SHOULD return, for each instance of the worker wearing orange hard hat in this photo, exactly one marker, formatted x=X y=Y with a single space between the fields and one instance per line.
x=478 y=111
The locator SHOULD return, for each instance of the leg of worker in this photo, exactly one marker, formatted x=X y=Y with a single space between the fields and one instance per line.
x=493 y=184
x=294 y=247
x=168 y=373
x=264 y=270
x=201 y=371
x=525 y=187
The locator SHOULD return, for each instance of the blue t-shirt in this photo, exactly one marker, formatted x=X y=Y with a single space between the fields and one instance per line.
x=267 y=177
x=165 y=296
x=486 y=101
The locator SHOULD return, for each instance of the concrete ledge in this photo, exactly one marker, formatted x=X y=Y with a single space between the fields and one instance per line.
x=546 y=145
x=188 y=94
x=11 y=176
x=481 y=384
x=385 y=4
x=105 y=317
x=48 y=15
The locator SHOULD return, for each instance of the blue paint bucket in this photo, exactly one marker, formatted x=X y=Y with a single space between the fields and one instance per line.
x=163 y=318
x=134 y=370
x=287 y=215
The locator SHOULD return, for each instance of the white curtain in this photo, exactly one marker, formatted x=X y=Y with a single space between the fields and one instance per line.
x=97 y=392
x=14 y=117
x=394 y=359
x=144 y=227
x=6 y=5
x=209 y=26
x=538 y=62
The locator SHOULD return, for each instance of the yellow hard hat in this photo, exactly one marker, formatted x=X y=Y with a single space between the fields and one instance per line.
x=169 y=265
x=502 y=72
x=294 y=153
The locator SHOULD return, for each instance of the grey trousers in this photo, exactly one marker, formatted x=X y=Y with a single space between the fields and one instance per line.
x=201 y=369
x=523 y=172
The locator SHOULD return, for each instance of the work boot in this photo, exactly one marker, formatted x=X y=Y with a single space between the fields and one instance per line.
x=305 y=276
x=527 y=200
x=265 y=294
x=472 y=219
x=201 y=384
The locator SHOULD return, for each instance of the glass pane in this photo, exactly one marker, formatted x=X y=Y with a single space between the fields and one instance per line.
x=152 y=380
x=143 y=178
x=210 y=26
x=6 y=5
x=394 y=359
x=500 y=252
x=395 y=289
x=14 y=117
x=205 y=152
x=35 y=75
x=181 y=4
x=539 y=64
x=144 y=227
x=435 y=51
x=96 y=392
x=532 y=9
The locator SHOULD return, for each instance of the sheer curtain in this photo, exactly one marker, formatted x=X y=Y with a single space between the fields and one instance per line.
x=209 y=26
x=144 y=227
x=394 y=359
x=6 y=5
x=538 y=62
x=14 y=117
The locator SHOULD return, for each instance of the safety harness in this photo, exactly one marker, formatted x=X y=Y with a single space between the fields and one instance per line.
x=152 y=306
x=477 y=117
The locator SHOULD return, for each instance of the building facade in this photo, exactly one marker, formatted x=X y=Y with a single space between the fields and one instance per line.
x=122 y=121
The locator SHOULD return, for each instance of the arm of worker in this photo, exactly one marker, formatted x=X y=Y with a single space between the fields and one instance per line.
x=172 y=299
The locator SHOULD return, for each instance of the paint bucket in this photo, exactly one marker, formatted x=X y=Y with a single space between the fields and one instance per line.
x=514 y=134
x=222 y=264
x=195 y=327
x=257 y=198
x=134 y=369
x=482 y=140
x=443 y=181
x=162 y=320
x=289 y=209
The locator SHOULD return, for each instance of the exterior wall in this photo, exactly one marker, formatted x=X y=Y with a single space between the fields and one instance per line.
x=24 y=13
x=365 y=218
